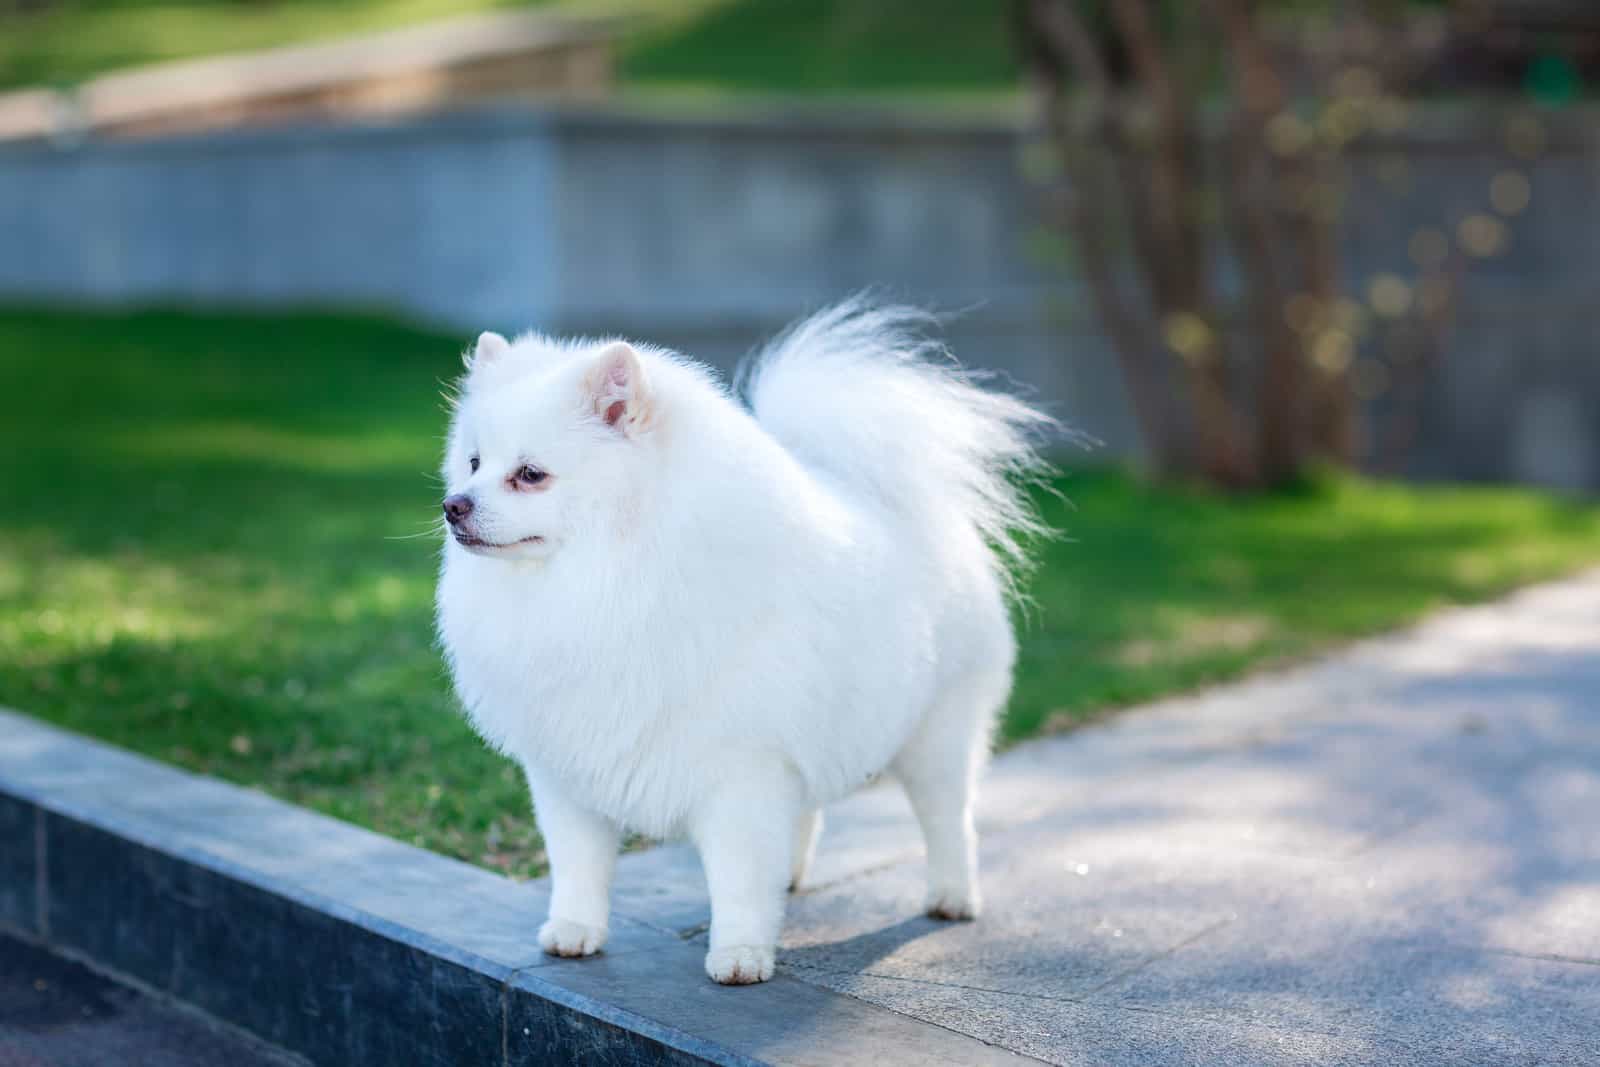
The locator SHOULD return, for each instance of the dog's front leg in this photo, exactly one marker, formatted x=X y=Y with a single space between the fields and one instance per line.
x=745 y=833
x=582 y=847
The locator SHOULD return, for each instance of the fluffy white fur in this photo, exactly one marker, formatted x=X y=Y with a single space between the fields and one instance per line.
x=693 y=618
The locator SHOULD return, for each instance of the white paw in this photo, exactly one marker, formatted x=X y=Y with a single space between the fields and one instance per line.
x=562 y=937
x=953 y=904
x=739 y=964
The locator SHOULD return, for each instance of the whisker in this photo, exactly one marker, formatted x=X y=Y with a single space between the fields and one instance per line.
x=433 y=528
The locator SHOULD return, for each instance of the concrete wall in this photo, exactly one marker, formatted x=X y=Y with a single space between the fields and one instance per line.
x=709 y=233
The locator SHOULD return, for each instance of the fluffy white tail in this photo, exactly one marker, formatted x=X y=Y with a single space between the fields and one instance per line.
x=860 y=392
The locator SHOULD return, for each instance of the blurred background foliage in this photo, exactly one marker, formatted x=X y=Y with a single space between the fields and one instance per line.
x=1196 y=162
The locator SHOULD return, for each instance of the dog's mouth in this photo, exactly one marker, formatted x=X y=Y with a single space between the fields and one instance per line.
x=469 y=541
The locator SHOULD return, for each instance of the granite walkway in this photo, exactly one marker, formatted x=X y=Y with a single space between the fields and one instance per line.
x=1389 y=856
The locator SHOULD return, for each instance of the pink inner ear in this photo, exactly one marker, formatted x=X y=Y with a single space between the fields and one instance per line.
x=615 y=411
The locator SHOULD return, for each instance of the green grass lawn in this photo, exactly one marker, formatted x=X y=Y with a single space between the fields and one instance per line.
x=828 y=46
x=771 y=45
x=211 y=553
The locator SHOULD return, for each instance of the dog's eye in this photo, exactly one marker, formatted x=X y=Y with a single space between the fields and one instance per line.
x=531 y=476
x=473 y=463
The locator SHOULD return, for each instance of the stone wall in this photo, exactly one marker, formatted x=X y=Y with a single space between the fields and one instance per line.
x=709 y=232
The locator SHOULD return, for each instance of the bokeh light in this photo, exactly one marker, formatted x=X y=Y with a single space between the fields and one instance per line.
x=1390 y=295
x=1510 y=192
x=1482 y=236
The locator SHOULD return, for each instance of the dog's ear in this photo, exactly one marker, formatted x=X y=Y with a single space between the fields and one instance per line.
x=617 y=391
x=490 y=347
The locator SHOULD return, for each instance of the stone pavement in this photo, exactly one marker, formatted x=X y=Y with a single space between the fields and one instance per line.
x=1389 y=856
x=55 y=1012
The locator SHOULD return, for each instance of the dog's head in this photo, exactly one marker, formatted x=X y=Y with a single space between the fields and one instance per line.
x=548 y=440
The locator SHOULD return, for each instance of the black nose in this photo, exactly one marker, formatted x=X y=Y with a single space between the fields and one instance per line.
x=457 y=508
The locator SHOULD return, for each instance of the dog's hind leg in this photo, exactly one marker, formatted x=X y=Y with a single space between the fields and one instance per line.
x=939 y=768
x=807 y=829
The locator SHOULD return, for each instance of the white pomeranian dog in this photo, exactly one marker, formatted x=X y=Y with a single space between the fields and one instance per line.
x=684 y=616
